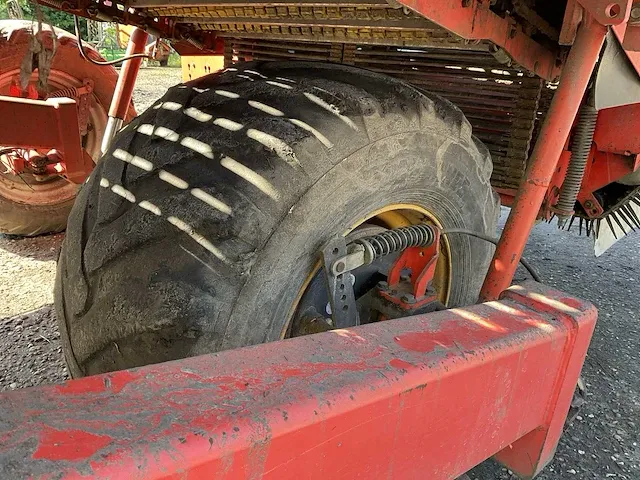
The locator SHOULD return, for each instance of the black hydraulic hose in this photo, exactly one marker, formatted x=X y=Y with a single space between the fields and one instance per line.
x=493 y=240
x=96 y=62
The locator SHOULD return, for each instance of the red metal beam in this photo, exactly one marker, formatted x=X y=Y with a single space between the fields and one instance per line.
x=473 y=20
x=617 y=130
x=46 y=124
x=124 y=87
x=544 y=159
x=428 y=396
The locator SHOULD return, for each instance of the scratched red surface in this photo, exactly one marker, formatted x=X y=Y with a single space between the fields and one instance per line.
x=422 y=397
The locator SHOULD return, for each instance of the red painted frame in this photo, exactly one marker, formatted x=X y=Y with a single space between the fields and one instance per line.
x=56 y=121
x=428 y=396
x=544 y=159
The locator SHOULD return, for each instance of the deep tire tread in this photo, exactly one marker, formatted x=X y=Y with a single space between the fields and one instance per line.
x=159 y=295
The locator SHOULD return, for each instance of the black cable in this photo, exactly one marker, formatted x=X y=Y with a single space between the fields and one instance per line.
x=96 y=62
x=493 y=240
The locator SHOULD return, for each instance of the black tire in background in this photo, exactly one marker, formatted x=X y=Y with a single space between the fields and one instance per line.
x=198 y=228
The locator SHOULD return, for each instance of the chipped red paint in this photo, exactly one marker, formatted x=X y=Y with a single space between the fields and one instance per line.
x=398 y=363
x=439 y=393
x=68 y=444
x=98 y=384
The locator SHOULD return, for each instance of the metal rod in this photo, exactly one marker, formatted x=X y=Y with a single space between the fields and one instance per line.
x=553 y=135
x=124 y=88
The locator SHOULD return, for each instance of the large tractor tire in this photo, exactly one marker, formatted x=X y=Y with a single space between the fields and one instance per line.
x=200 y=229
x=31 y=205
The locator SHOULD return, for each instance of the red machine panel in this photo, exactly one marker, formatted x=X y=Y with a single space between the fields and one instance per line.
x=422 y=397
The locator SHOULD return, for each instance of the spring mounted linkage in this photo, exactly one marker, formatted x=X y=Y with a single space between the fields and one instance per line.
x=340 y=258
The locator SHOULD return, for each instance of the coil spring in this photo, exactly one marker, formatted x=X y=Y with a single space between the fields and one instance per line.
x=582 y=141
x=392 y=241
x=71 y=92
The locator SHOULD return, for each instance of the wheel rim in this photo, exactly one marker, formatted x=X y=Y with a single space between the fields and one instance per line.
x=389 y=217
x=51 y=189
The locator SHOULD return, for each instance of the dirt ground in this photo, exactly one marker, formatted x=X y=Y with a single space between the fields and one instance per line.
x=601 y=443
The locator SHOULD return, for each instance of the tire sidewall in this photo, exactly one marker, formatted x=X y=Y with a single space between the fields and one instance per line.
x=431 y=171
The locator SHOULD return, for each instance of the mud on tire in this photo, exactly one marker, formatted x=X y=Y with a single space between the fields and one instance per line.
x=197 y=229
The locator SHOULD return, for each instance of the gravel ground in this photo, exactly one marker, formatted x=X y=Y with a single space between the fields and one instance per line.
x=601 y=443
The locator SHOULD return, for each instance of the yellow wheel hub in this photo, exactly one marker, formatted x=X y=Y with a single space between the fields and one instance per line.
x=390 y=217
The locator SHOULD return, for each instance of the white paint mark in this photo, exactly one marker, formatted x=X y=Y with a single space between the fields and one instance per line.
x=225 y=93
x=266 y=108
x=284 y=151
x=157 y=106
x=197 y=146
x=188 y=229
x=230 y=69
x=256 y=73
x=278 y=84
x=285 y=79
x=150 y=207
x=145 y=129
x=211 y=200
x=330 y=108
x=200 y=90
x=245 y=76
x=162 y=132
x=166 y=133
x=134 y=160
x=250 y=176
x=104 y=182
x=228 y=124
x=197 y=114
x=171 y=179
x=173 y=106
x=124 y=193
x=299 y=123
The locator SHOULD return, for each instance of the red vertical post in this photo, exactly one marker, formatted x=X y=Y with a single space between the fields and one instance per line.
x=124 y=88
x=553 y=135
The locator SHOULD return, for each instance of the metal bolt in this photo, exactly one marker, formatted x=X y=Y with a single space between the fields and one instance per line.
x=635 y=13
x=588 y=204
x=383 y=285
x=340 y=266
x=408 y=298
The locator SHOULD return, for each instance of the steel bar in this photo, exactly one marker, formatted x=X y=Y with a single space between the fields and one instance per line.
x=428 y=397
x=124 y=87
x=551 y=140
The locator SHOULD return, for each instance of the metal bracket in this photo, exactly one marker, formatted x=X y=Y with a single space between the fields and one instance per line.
x=591 y=205
x=341 y=297
x=84 y=105
x=607 y=12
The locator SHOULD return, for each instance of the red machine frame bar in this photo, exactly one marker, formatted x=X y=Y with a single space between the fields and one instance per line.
x=473 y=20
x=46 y=124
x=544 y=159
x=428 y=396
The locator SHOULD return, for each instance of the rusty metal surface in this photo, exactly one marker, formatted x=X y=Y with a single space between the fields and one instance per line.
x=341 y=23
x=417 y=23
x=499 y=101
x=438 y=392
